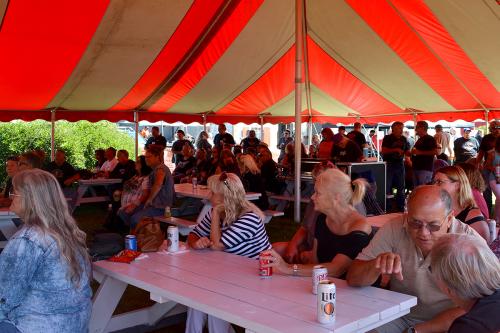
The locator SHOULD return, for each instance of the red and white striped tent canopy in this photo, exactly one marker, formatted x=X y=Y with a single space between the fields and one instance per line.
x=173 y=60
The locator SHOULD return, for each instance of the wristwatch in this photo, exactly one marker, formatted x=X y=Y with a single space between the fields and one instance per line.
x=295 y=269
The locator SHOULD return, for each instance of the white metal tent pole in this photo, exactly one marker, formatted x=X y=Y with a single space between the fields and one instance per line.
x=136 y=125
x=415 y=126
x=52 y=134
x=204 y=116
x=486 y=116
x=309 y=131
x=299 y=17
x=261 y=128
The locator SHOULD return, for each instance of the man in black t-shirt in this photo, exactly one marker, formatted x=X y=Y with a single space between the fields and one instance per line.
x=223 y=138
x=465 y=147
x=125 y=169
x=394 y=149
x=250 y=143
x=178 y=145
x=358 y=137
x=156 y=138
x=62 y=170
x=345 y=150
x=423 y=153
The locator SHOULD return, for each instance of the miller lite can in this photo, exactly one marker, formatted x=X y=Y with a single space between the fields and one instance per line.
x=264 y=272
x=326 y=302
x=131 y=242
x=172 y=239
x=319 y=273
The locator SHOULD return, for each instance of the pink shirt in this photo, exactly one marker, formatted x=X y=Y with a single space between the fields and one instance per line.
x=481 y=203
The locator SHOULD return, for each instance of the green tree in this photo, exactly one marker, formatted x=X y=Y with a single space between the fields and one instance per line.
x=79 y=140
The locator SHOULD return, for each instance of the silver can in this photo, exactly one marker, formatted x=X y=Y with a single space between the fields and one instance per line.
x=492 y=225
x=319 y=273
x=172 y=239
x=194 y=180
x=326 y=302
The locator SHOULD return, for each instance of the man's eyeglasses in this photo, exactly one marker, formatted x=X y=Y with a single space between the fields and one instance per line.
x=417 y=225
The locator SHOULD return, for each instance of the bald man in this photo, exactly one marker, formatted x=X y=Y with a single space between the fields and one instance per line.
x=399 y=251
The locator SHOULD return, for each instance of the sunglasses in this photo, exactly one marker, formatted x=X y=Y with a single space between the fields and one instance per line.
x=417 y=225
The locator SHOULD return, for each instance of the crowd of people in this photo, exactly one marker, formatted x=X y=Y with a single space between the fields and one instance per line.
x=437 y=250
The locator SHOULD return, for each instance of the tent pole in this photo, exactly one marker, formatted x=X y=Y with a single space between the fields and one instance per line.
x=486 y=118
x=261 y=128
x=52 y=134
x=415 y=126
x=309 y=131
x=136 y=126
x=204 y=116
x=299 y=8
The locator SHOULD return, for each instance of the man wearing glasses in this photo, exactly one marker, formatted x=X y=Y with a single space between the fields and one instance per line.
x=399 y=252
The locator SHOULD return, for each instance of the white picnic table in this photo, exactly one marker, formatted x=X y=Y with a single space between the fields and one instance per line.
x=379 y=221
x=202 y=192
x=9 y=225
x=84 y=184
x=228 y=287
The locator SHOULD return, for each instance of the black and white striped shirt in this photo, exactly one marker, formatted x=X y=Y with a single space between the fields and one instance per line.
x=245 y=237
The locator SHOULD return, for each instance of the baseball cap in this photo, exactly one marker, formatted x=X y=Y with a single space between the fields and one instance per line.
x=467 y=129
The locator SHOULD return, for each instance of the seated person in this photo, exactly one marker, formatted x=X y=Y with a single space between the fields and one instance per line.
x=11 y=167
x=454 y=181
x=227 y=163
x=162 y=192
x=269 y=171
x=214 y=160
x=345 y=150
x=135 y=190
x=468 y=272
x=125 y=168
x=288 y=161
x=252 y=181
x=202 y=167
x=234 y=225
x=477 y=185
x=45 y=269
x=185 y=163
x=64 y=172
x=341 y=232
x=29 y=160
x=100 y=157
x=110 y=163
x=400 y=251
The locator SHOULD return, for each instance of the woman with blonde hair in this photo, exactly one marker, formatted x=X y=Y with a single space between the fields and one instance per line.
x=45 y=270
x=340 y=233
x=477 y=185
x=252 y=180
x=453 y=180
x=234 y=225
x=466 y=270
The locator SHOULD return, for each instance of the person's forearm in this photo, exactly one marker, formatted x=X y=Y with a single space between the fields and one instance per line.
x=362 y=273
x=299 y=238
x=440 y=323
x=192 y=239
x=154 y=191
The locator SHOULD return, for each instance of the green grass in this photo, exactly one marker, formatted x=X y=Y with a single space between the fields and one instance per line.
x=90 y=219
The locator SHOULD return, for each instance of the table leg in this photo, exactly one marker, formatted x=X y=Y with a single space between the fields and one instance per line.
x=80 y=193
x=105 y=301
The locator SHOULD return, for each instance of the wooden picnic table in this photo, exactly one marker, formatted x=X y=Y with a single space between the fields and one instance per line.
x=88 y=184
x=228 y=286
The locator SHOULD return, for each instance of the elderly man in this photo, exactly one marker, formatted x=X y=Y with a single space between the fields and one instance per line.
x=465 y=147
x=456 y=262
x=400 y=252
x=250 y=143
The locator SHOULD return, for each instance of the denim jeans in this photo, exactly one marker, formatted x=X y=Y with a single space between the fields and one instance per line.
x=421 y=177
x=140 y=212
x=396 y=179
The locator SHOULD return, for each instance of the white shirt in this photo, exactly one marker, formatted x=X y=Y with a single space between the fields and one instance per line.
x=109 y=166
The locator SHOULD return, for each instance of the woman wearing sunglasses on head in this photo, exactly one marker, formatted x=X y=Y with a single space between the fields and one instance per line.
x=45 y=270
x=233 y=225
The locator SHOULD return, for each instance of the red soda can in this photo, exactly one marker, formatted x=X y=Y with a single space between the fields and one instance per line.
x=264 y=272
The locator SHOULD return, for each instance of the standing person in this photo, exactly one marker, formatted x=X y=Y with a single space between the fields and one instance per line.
x=465 y=147
x=162 y=192
x=234 y=225
x=223 y=138
x=456 y=262
x=423 y=152
x=111 y=161
x=394 y=149
x=400 y=251
x=479 y=136
x=411 y=141
x=342 y=130
x=250 y=143
x=326 y=145
x=443 y=141
x=45 y=269
x=358 y=137
x=178 y=145
x=202 y=143
x=345 y=150
x=156 y=138
x=282 y=143
x=314 y=147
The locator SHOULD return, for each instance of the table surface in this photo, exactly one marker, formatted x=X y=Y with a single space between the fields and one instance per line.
x=202 y=192
x=380 y=220
x=99 y=181
x=228 y=287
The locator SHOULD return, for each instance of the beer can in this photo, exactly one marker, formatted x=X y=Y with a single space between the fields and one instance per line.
x=194 y=180
x=167 y=213
x=492 y=226
x=131 y=242
x=172 y=239
x=264 y=272
x=365 y=152
x=319 y=273
x=326 y=302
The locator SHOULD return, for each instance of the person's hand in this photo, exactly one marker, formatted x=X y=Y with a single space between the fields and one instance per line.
x=390 y=263
x=276 y=261
x=202 y=243
x=291 y=254
x=130 y=208
x=68 y=182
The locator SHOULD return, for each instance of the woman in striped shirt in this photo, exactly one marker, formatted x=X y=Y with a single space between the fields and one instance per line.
x=234 y=225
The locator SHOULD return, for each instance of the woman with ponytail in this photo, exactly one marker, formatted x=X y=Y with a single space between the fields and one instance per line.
x=341 y=232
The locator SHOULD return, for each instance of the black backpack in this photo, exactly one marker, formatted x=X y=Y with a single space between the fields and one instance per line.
x=105 y=245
